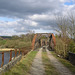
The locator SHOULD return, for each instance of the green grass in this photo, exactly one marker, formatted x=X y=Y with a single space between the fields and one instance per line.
x=49 y=69
x=65 y=63
x=22 y=67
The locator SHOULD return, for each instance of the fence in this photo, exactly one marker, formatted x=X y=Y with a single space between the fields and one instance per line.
x=72 y=58
x=11 y=55
x=72 y=55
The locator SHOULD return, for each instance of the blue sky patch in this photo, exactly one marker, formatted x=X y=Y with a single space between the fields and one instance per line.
x=69 y=3
x=6 y=19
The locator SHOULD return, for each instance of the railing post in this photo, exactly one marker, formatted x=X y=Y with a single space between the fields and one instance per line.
x=15 y=52
x=19 y=52
x=2 y=59
x=10 y=56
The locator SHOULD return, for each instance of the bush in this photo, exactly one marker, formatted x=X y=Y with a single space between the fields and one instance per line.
x=17 y=44
x=23 y=41
x=11 y=43
x=61 y=48
x=72 y=46
x=2 y=42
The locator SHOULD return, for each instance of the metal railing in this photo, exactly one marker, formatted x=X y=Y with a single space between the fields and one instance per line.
x=17 y=53
x=7 y=56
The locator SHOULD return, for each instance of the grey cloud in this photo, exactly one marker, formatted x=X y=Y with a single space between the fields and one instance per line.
x=22 y=8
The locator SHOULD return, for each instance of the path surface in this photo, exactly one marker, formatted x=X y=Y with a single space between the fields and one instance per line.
x=60 y=67
x=37 y=65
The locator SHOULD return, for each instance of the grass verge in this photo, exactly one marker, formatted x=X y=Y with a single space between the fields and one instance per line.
x=22 y=67
x=65 y=63
x=49 y=69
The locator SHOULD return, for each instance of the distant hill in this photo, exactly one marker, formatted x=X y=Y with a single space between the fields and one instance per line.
x=5 y=37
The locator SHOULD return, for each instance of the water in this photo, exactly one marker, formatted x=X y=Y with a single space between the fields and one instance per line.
x=7 y=57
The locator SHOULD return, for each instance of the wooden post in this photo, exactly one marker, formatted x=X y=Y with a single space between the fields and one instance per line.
x=10 y=56
x=15 y=52
x=2 y=59
x=19 y=52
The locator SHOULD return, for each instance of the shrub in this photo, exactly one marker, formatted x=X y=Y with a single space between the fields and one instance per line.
x=72 y=46
x=61 y=48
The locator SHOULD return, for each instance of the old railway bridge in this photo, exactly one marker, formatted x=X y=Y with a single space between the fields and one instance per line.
x=41 y=39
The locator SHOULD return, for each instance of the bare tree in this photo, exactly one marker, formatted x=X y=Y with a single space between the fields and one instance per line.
x=62 y=23
x=71 y=27
x=66 y=24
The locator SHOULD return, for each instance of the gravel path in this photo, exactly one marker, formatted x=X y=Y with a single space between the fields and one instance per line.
x=60 y=67
x=37 y=65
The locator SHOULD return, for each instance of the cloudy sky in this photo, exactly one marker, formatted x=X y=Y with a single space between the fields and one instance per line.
x=20 y=16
